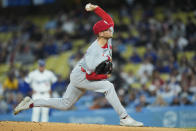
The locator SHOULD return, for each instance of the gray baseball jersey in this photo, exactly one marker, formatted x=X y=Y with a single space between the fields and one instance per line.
x=95 y=55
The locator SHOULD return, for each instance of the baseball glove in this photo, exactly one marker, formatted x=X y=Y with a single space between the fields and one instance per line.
x=104 y=68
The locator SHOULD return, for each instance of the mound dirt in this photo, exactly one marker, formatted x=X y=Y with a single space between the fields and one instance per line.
x=46 y=126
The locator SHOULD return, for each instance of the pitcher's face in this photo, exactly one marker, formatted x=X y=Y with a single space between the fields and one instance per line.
x=106 y=34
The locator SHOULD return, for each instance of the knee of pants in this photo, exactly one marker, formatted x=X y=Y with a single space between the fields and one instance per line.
x=66 y=103
x=110 y=87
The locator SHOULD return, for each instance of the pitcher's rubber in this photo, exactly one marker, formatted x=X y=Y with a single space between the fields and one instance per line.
x=46 y=126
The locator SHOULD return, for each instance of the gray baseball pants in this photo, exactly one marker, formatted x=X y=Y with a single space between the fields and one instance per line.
x=77 y=87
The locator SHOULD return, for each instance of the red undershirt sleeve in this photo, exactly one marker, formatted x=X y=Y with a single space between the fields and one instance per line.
x=94 y=76
x=101 y=13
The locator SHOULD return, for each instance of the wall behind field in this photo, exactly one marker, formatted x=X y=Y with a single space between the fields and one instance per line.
x=155 y=117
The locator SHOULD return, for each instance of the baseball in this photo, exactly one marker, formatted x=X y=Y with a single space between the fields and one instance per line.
x=87 y=7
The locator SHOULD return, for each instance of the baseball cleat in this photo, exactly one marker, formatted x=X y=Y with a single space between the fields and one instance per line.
x=23 y=105
x=128 y=121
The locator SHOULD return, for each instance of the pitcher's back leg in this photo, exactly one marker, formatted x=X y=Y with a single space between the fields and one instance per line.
x=71 y=95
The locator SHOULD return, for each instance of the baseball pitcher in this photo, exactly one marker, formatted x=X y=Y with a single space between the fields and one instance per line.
x=90 y=73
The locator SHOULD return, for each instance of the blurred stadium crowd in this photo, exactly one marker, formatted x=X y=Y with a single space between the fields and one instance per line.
x=154 y=54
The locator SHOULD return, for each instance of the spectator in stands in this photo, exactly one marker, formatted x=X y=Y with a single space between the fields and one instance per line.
x=138 y=107
x=96 y=103
x=38 y=50
x=144 y=78
x=10 y=83
x=185 y=89
x=175 y=101
x=142 y=101
x=135 y=58
x=50 y=48
x=100 y=102
x=146 y=66
x=129 y=77
x=166 y=63
x=59 y=86
x=66 y=44
x=131 y=97
x=24 y=55
x=153 y=90
x=159 y=102
x=121 y=47
x=51 y=24
x=157 y=83
x=174 y=86
x=23 y=87
x=182 y=42
x=184 y=99
x=69 y=25
x=167 y=92
x=144 y=90
x=151 y=56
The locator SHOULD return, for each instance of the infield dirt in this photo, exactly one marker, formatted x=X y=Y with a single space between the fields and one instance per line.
x=38 y=126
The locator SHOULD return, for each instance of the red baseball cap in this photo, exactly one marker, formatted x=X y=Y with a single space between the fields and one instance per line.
x=101 y=26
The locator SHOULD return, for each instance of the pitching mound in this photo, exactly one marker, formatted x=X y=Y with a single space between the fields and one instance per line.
x=37 y=126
